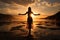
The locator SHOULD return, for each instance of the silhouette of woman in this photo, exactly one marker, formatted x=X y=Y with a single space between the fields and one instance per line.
x=29 y=19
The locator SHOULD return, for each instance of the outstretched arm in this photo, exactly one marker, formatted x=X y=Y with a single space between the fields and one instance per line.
x=23 y=14
x=36 y=14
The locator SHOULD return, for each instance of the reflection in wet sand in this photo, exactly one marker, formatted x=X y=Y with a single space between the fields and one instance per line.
x=42 y=30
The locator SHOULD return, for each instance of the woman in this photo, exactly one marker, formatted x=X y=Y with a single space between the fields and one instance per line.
x=29 y=19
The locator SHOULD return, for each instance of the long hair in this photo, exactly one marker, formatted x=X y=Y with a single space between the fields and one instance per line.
x=29 y=9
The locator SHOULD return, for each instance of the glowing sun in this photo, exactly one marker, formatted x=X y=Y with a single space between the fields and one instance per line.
x=32 y=15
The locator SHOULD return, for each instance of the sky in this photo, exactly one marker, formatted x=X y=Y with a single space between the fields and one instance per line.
x=44 y=7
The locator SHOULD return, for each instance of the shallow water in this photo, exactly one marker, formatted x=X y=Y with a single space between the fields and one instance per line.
x=43 y=29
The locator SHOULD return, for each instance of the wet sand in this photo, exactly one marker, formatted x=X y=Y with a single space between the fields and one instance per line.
x=18 y=31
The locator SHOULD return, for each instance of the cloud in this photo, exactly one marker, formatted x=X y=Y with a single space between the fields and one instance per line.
x=49 y=2
x=14 y=6
x=20 y=2
x=20 y=6
x=46 y=7
x=11 y=8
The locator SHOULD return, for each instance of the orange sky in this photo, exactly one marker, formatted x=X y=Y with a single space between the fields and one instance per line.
x=44 y=7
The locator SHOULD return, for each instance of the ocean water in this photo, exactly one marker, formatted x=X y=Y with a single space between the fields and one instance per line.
x=43 y=29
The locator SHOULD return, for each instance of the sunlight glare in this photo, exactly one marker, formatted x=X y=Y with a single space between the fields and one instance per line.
x=32 y=15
